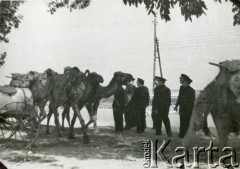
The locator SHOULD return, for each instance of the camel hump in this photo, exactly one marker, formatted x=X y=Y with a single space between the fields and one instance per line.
x=232 y=65
x=87 y=72
x=8 y=90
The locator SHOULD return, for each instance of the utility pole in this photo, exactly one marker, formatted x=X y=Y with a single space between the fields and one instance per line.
x=156 y=50
x=154 y=59
x=158 y=57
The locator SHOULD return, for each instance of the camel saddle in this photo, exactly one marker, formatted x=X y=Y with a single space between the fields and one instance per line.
x=8 y=90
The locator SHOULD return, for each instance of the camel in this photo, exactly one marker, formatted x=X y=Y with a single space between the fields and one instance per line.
x=221 y=98
x=66 y=110
x=73 y=89
x=36 y=82
x=118 y=80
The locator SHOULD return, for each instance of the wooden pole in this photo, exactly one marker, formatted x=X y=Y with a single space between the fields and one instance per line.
x=159 y=59
x=154 y=59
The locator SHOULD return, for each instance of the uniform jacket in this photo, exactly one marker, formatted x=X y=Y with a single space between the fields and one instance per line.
x=162 y=98
x=141 y=97
x=186 y=98
x=119 y=98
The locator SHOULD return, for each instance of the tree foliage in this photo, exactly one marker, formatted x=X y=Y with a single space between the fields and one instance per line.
x=236 y=17
x=8 y=20
x=2 y=58
x=235 y=10
x=71 y=4
x=189 y=8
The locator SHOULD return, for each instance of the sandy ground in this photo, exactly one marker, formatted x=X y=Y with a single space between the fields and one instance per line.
x=106 y=149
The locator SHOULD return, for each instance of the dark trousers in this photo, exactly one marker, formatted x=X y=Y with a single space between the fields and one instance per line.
x=130 y=118
x=162 y=116
x=141 y=119
x=118 y=119
x=185 y=117
x=154 y=117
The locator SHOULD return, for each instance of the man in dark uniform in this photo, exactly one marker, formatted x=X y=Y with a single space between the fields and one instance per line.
x=161 y=104
x=185 y=102
x=118 y=109
x=130 y=118
x=141 y=101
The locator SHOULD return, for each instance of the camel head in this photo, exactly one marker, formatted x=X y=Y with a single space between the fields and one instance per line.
x=50 y=73
x=123 y=78
x=29 y=78
x=95 y=78
x=128 y=78
x=229 y=76
x=44 y=79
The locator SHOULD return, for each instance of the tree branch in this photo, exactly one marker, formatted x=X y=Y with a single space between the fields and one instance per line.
x=236 y=2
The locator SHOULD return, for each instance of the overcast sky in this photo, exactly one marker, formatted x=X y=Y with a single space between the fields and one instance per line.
x=109 y=36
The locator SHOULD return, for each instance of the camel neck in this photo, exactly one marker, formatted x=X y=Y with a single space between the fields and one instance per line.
x=112 y=87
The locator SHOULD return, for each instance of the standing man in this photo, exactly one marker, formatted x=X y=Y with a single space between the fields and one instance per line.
x=130 y=119
x=118 y=109
x=141 y=101
x=161 y=105
x=185 y=102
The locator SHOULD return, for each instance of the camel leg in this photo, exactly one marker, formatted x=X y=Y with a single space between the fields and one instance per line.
x=90 y=112
x=56 y=120
x=43 y=113
x=34 y=117
x=68 y=116
x=206 y=130
x=70 y=134
x=95 y=108
x=75 y=115
x=34 y=122
x=35 y=107
x=77 y=112
x=63 y=118
x=222 y=125
x=82 y=122
x=49 y=115
x=65 y=114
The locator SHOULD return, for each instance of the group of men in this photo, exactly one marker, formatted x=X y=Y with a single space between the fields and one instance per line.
x=162 y=101
x=132 y=101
